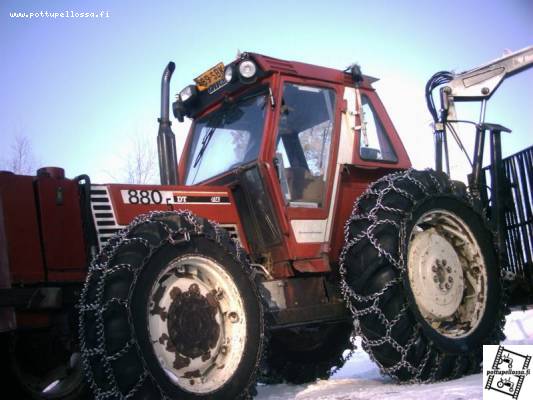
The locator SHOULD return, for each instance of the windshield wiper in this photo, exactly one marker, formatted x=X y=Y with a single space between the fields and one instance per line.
x=207 y=138
x=205 y=142
x=227 y=114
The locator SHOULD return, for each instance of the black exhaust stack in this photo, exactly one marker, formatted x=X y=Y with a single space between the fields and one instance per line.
x=166 y=142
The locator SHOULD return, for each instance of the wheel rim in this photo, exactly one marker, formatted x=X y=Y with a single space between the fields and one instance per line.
x=59 y=380
x=70 y=380
x=447 y=273
x=197 y=323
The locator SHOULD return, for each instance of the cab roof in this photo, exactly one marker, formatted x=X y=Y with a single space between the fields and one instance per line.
x=310 y=71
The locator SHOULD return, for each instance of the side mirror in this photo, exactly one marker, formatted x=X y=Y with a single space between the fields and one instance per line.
x=370 y=153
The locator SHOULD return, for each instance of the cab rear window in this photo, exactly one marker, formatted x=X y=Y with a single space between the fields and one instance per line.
x=374 y=144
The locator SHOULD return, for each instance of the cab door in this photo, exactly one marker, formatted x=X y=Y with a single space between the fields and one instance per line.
x=303 y=153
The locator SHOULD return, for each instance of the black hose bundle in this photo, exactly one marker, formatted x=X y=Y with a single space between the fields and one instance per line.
x=440 y=78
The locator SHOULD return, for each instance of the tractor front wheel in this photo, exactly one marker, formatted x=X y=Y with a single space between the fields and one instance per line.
x=169 y=310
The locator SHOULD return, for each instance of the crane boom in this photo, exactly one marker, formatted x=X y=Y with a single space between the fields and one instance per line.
x=481 y=82
x=477 y=84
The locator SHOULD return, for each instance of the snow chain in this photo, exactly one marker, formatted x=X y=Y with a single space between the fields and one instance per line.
x=356 y=302
x=346 y=357
x=99 y=265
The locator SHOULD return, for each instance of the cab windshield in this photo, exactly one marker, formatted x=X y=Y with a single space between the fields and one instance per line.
x=226 y=138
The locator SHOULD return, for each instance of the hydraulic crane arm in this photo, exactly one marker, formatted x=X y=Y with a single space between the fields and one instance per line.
x=481 y=82
x=477 y=84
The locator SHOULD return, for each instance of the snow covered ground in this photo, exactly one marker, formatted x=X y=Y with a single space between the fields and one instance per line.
x=359 y=379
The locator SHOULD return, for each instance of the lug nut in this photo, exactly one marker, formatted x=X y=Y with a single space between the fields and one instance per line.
x=450 y=279
x=194 y=288
x=233 y=317
x=448 y=286
x=448 y=269
x=434 y=268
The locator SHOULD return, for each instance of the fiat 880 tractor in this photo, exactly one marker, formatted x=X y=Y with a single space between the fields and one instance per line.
x=250 y=261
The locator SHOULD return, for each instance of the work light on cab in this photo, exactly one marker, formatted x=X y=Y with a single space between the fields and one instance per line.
x=247 y=70
x=229 y=73
x=188 y=93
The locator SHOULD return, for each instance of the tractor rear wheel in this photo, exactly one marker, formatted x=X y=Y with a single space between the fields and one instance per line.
x=169 y=310
x=421 y=275
x=302 y=355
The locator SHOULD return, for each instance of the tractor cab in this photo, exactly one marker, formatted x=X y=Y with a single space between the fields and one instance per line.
x=282 y=135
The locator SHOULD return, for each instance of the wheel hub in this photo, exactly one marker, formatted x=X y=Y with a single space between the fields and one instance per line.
x=435 y=274
x=192 y=326
x=196 y=323
x=446 y=273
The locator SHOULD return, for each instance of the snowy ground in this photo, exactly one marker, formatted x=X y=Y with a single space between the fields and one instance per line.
x=359 y=379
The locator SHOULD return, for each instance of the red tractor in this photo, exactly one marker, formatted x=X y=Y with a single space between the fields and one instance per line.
x=250 y=262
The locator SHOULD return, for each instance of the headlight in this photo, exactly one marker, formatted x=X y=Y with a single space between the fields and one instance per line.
x=247 y=69
x=187 y=93
x=228 y=73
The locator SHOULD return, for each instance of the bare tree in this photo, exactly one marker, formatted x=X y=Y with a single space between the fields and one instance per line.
x=141 y=163
x=20 y=158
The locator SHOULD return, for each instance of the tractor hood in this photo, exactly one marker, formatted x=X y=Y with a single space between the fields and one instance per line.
x=115 y=206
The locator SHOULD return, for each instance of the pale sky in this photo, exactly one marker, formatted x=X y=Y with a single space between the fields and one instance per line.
x=81 y=88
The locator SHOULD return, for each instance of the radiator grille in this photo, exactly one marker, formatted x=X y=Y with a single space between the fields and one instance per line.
x=104 y=217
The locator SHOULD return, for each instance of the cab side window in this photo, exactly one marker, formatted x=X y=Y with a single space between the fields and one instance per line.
x=303 y=144
x=374 y=145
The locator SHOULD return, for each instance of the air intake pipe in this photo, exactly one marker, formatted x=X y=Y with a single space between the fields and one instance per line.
x=166 y=141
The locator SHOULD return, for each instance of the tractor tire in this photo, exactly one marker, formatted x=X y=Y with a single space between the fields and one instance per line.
x=169 y=310
x=420 y=273
x=38 y=365
x=302 y=355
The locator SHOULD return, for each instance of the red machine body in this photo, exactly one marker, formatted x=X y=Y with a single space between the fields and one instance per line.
x=40 y=214
x=42 y=247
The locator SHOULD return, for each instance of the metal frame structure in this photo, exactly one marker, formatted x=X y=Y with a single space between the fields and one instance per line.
x=507 y=202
